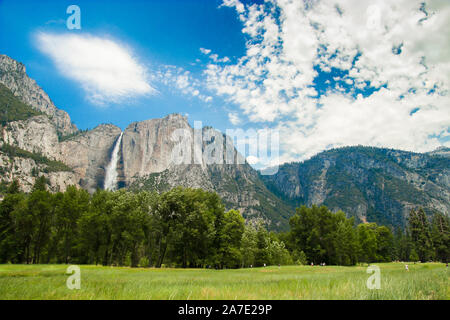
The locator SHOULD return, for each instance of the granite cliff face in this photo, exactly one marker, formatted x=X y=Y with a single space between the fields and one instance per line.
x=13 y=76
x=36 y=141
x=37 y=134
x=47 y=143
x=372 y=184
x=24 y=170
x=88 y=154
x=151 y=161
x=147 y=145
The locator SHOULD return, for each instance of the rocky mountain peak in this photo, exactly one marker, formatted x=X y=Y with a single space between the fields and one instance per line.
x=13 y=75
x=372 y=184
x=9 y=65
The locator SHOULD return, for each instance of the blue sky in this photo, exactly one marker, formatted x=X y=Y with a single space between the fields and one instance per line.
x=160 y=33
x=322 y=73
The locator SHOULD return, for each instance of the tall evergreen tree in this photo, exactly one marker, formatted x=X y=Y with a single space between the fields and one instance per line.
x=368 y=244
x=248 y=246
x=385 y=244
x=420 y=234
x=231 y=239
x=262 y=244
x=346 y=243
x=10 y=248
x=440 y=233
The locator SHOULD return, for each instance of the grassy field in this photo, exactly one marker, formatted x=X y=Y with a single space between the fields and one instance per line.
x=422 y=281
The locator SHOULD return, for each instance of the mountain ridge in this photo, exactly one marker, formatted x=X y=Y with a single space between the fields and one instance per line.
x=373 y=184
x=13 y=76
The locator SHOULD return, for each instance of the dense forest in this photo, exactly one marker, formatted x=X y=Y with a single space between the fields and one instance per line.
x=190 y=228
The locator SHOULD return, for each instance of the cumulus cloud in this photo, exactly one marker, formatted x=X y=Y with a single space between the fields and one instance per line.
x=106 y=69
x=387 y=63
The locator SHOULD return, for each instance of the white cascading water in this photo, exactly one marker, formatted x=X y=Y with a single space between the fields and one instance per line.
x=111 y=168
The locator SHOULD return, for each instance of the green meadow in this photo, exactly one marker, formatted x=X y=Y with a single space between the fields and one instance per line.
x=422 y=281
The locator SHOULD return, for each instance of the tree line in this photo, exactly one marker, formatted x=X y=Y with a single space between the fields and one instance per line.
x=187 y=227
x=318 y=235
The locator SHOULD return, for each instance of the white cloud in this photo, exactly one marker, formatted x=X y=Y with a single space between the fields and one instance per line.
x=106 y=69
x=205 y=51
x=252 y=160
x=182 y=80
x=214 y=56
x=399 y=48
x=234 y=118
x=234 y=3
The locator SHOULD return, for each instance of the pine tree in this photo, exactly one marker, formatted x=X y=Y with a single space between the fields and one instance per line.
x=420 y=234
x=440 y=233
x=40 y=184
x=13 y=188
x=262 y=256
x=385 y=244
x=368 y=245
x=248 y=246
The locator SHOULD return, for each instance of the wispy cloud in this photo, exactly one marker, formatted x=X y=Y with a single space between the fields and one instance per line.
x=205 y=51
x=213 y=56
x=182 y=80
x=106 y=69
x=55 y=21
x=234 y=118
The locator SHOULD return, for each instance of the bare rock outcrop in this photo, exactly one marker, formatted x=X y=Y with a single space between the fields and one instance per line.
x=23 y=170
x=147 y=145
x=13 y=75
x=88 y=154
x=37 y=134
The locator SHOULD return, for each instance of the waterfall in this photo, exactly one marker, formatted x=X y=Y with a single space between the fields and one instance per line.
x=111 y=168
